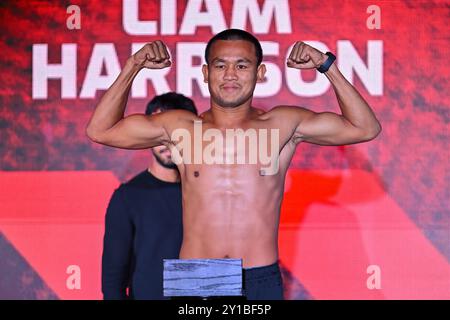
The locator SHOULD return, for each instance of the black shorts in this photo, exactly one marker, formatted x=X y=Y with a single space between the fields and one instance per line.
x=263 y=283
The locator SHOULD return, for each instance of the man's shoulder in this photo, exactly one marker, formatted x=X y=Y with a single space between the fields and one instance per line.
x=282 y=109
x=178 y=119
x=145 y=181
x=285 y=112
x=140 y=180
x=177 y=116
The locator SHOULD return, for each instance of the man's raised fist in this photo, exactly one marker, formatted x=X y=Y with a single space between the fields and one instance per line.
x=153 y=55
x=304 y=56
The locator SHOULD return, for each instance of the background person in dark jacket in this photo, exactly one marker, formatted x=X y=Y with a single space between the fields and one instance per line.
x=143 y=222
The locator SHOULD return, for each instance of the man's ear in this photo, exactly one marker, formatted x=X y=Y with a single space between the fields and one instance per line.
x=261 y=73
x=205 y=73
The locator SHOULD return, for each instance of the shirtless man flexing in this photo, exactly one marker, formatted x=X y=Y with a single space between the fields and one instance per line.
x=231 y=209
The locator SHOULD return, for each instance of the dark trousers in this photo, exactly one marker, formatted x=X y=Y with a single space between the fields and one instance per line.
x=263 y=283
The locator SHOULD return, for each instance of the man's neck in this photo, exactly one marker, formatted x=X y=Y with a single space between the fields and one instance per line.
x=229 y=117
x=163 y=173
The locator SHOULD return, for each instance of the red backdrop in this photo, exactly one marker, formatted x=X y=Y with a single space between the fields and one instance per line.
x=353 y=216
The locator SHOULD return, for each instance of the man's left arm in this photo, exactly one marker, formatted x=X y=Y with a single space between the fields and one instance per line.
x=357 y=121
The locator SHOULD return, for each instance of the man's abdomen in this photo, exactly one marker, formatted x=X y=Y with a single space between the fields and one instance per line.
x=232 y=226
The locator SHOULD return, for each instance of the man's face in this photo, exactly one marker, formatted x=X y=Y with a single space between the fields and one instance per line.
x=232 y=72
x=162 y=153
x=163 y=156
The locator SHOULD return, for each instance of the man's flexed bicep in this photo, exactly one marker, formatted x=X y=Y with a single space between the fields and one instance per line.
x=325 y=128
x=357 y=121
x=137 y=131
x=108 y=125
x=328 y=128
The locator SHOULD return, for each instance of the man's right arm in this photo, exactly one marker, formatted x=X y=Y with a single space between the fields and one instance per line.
x=138 y=131
x=117 y=249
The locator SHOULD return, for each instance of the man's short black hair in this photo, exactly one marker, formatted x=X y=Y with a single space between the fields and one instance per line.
x=235 y=34
x=170 y=101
